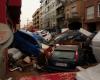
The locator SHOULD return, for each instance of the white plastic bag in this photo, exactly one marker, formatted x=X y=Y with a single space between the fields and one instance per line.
x=92 y=73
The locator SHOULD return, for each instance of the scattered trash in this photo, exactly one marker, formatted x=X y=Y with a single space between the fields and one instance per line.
x=27 y=59
x=17 y=68
x=29 y=44
x=28 y=51
x=10 y=78
x=96 y=46
x=15 y=53
x=91 y=73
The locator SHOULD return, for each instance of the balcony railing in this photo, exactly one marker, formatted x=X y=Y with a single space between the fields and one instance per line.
x=60 y=15
x=74 y=14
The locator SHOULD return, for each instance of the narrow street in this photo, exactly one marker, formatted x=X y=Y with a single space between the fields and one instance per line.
x=50 y=40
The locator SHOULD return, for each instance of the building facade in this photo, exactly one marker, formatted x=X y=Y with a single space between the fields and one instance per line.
x=74 y=8
x=60 y=15
x=36 y=18
x=50 y=14
x=92 y=15
x=40 y=18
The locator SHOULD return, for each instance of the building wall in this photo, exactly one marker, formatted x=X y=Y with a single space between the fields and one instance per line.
x=93 y=17
x=49 y=13
x=60 y=17
x=36 y=18
x=74 y=8
x=40 y=19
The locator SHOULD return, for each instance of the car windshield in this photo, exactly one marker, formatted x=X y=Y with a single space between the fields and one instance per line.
x=64 y=54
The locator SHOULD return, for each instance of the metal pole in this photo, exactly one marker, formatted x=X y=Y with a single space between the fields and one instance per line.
x=2 y=64
x=6 y=38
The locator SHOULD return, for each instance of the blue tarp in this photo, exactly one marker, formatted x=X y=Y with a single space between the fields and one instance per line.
x=26 y=43
x=40 y=38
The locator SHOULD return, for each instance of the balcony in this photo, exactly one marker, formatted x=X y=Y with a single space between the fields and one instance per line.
x=74 y=14
x=59 y=5
x=60 y=16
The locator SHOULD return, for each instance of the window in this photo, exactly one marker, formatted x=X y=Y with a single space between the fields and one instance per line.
x=48 y=8
x=64 y=54
x=90 y=12
x=74 y=11
x=99 y=10
x=46 y=2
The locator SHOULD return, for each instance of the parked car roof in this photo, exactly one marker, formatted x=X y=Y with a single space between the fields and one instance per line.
x=69 y=35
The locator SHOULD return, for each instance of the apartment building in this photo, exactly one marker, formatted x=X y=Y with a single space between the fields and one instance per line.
x=36 y=18
x=49 y=14
x=74 y=9
x=60 y=15
x=92 y=15
x=40 y=19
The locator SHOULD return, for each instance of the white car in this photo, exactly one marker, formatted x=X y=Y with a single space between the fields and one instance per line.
x=45 y=34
